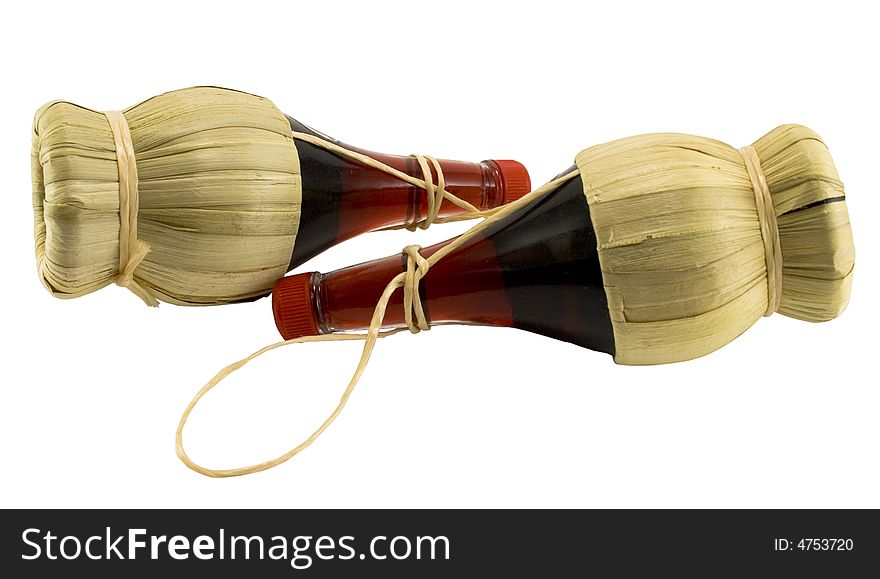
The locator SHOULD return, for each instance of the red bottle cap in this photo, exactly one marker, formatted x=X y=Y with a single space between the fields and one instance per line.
x=515 y=178
x=292 y=305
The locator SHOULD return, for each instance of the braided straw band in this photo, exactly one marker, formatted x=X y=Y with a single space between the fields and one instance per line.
x=131 y=249
x=769 y=228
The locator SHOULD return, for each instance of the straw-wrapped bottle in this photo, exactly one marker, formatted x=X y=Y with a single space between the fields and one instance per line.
x=654 y=250
x=657 y=248
x=208 y=195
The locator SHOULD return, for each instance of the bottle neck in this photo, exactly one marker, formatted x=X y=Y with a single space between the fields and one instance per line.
x=344 y=299
x=536 y=270
x=343 y=198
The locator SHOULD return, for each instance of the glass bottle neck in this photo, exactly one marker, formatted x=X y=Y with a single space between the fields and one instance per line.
x=343 y=198
x=466 y=287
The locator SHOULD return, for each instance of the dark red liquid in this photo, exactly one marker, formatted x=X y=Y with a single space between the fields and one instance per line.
x=343 y=198
x=536 y=270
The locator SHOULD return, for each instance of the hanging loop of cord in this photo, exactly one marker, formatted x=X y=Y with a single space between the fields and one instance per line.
x=417 y=267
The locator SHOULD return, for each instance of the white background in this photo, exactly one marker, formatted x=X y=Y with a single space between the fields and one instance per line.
x=92 y=388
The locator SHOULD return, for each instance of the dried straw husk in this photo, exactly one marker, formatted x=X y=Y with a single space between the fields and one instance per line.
x=680 y=244
x=219 y=187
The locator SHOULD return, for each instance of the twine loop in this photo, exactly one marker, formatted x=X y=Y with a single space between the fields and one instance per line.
x=132 y=250
x=416 y=268
x=769 y=228
x=436 y=192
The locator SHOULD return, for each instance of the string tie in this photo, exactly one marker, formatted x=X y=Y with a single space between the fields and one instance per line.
x=416 y=268
x=769 y=228
x=132 y=250
x=436 y=193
